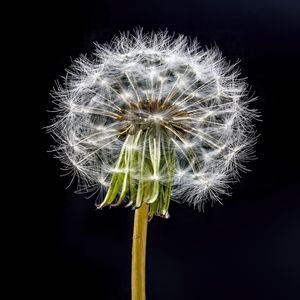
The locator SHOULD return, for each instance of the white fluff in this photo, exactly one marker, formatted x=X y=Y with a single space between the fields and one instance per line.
x=213 y=134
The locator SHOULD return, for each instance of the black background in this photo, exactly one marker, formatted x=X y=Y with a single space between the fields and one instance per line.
x=249 y=248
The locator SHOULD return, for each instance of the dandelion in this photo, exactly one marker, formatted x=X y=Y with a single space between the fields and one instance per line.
x=150 y=118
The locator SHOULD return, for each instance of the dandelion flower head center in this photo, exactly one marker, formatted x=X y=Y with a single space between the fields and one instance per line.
x=154 y=115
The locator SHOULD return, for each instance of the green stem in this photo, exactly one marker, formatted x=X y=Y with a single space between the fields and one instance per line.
x=138 y=267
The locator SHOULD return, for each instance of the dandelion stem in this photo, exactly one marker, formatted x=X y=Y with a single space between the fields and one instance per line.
x=138 y=267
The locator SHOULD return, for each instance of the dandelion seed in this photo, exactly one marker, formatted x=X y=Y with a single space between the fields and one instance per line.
x=151 y=118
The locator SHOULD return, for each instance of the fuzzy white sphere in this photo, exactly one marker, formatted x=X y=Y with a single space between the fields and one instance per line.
x=152 y=94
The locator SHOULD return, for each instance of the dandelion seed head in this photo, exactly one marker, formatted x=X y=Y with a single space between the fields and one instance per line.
x=161 y=112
